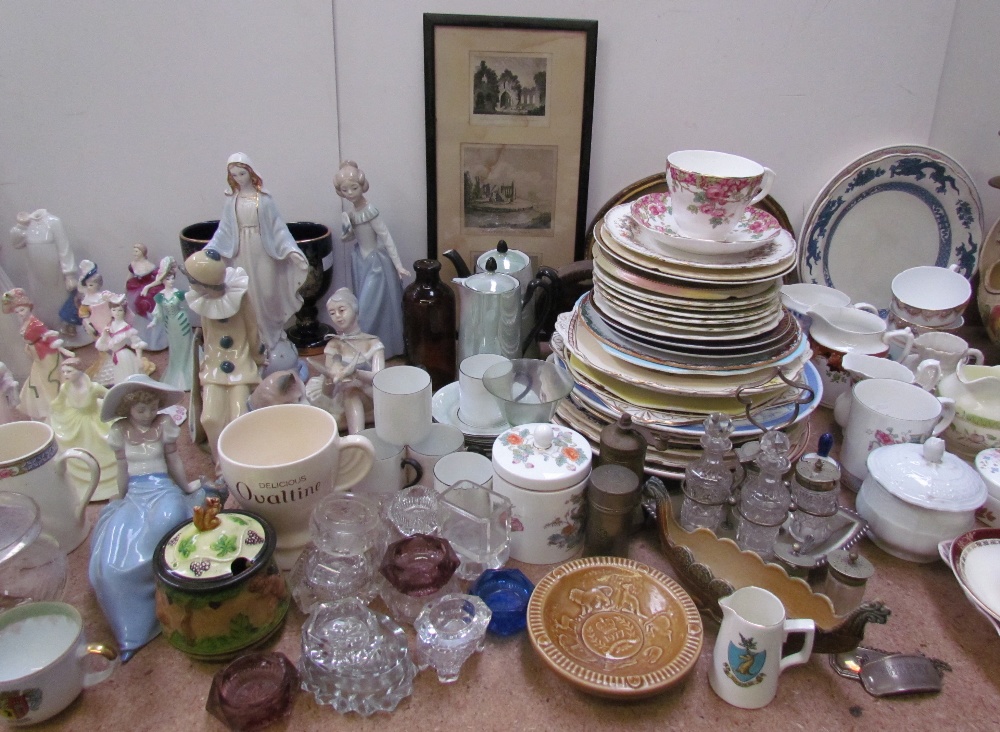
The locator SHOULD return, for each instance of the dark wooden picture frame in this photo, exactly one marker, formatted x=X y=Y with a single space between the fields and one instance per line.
x=509 y=111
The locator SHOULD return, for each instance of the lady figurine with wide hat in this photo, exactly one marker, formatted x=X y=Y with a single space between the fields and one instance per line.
x=352 y=359
x=46 y=350
x=375 y=266
x=154 y=497
x=252 y=235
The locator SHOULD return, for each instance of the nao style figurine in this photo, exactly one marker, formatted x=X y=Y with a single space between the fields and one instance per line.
x=352 y=359
x=253 y=236
x=44 y=347
x=376 y=270
x=52 y=275
x=231 y=353
x=140 y=290
x=170 y=313
x=76 y=421
x=154 y=496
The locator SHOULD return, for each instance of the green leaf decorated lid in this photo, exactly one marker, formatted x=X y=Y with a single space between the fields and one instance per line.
x=542 y=457
x=209 y=553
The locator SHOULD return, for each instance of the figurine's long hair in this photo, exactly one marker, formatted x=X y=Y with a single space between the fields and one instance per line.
x=349 y=170
x=254 y=178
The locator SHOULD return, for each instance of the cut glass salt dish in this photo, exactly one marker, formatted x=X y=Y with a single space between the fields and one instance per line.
x=449 y=630
x=413 y=510
x=417 y=570
x=342 y=559
x=354 y=659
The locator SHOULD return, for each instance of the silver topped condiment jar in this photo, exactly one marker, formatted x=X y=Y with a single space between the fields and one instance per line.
x=815 y=489
x=543 y=470
x=847 y=575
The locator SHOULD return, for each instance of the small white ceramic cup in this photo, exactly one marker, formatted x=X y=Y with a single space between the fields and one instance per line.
x=457 y=466
x=389 y=472
x=441 y=440
x=888 y=412
x=710 y=191
x=476 y=406
x=43 y=661
x=402 y=400
x=930 y=296
x=281 y=461
x=946 y=348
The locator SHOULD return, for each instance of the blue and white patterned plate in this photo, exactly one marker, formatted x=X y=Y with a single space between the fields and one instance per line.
x=895 y=208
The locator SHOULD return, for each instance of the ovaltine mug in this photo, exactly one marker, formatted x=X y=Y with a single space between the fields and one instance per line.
x=43 y=661
x=280 y=461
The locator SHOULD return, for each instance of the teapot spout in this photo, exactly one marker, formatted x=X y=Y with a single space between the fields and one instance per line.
x=456 y=259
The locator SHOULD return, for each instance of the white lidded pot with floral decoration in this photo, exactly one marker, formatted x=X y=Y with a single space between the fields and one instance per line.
x=543 y=469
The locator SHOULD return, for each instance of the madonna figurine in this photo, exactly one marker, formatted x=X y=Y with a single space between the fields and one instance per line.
x=170 y=312
x=154 y=496
x=140 y=290
x=231 y=354
x=375 y=266
x=121 y=341
x=76 y=421
x=352 y=359
x=45 y=348
x=253 y=236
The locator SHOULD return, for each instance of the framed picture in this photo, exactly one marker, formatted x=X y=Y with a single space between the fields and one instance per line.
x=509 y=115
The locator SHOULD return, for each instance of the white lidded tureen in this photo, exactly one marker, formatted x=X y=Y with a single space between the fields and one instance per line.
x=916 y=496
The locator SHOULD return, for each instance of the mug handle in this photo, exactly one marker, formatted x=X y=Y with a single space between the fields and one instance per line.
x=110 y=655
x=357 y=455
x=92 y=481
x=417 y=470
x=974 y=356
x=947 y=415
x=766 y=181
x=927 y=374
x=808 y=628
x=902 y=337
x=866 y=307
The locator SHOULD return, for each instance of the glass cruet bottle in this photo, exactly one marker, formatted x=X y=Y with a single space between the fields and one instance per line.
x=708 y=482
x=765 y=498
x=429 y=323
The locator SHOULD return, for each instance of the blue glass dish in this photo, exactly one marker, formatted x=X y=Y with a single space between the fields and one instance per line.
x=506 y=592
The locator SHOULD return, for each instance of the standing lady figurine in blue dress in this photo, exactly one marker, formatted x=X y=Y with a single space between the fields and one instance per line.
x=375 y=266
x=154 y=498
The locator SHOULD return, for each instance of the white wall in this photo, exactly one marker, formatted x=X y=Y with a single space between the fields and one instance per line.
x=118 y=117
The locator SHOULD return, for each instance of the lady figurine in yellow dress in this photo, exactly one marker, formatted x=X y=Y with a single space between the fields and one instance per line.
x=352 y=359
x=76 y=420
x=252 y=235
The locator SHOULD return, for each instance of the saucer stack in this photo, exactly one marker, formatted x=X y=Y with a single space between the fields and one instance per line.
x=444 y=409
x=675 y=326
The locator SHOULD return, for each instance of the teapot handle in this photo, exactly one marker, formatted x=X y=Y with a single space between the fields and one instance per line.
x=545 y=285
x=93 y=467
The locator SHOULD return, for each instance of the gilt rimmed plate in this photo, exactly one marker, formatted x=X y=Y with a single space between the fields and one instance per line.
x=621 y=228
x=681 y=316
x=654 y=215
x=614 y=627
x=892 y=209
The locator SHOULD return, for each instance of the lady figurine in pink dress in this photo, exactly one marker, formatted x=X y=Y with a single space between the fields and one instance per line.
x=121 y=341
x=252 y=235
x=140 y=289
x=375 y=267
x=45 y=348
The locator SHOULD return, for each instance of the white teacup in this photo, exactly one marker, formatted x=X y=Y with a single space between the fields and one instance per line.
x=888 y=412
x=476 y=406
x=930 y=296
x=389 y=471
x=43 y=661
x=30 y=463
x=710 y=191
x=441 y=440
x=459 y=466
x=280 y=461
x=947 y=348
x=402 y=403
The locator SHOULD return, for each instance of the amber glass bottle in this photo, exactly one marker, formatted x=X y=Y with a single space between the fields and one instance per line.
x=429 y=323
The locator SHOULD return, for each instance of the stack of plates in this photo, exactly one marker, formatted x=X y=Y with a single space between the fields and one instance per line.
x=675 y=326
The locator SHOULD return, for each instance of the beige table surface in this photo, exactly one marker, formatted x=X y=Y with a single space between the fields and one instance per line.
x=509 y=687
